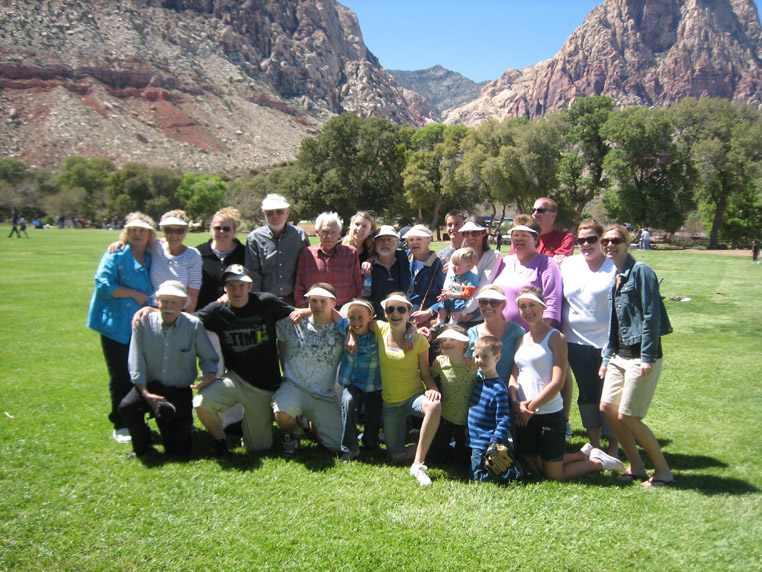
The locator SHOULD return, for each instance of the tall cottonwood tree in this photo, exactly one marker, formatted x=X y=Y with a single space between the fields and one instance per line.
x=724 y=140
x=652 y=173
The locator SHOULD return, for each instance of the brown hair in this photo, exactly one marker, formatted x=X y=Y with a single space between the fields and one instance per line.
x=621 y=230
x=490 y=344
x=593 y=224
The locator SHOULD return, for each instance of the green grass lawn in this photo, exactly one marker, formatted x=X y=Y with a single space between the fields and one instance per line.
x=71 y=500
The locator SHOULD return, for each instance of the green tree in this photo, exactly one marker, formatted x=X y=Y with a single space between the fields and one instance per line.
x=652 y=173
x=87 y=179
x=353 y=164
x=581 y=175
x=202 y=195
x=725 y=142
x=430 y=174
x=138 y=187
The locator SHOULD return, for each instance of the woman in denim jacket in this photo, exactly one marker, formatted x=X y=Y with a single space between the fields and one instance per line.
x=632 y=359
x=122 y=286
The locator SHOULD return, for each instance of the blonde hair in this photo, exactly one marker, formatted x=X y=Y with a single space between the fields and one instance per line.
x=466 y=254
x=229 y=213
x=177 y=213
x=369 y=243
x=138 y=216
x=622 y=231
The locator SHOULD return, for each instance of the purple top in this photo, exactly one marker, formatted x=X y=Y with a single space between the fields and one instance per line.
x=541 y=272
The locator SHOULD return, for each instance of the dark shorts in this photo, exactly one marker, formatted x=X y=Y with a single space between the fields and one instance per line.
x=544 y=436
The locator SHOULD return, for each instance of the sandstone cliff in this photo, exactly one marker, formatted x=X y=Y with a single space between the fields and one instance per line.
x=197 y=84
x=639 y=52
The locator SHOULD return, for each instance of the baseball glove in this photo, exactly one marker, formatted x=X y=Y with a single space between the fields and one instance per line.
x=498 y=459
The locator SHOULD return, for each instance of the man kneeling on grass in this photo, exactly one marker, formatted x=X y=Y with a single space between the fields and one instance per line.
x=162 y=365
x=310 y=353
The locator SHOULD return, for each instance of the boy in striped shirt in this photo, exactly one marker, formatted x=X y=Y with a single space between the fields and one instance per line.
x=489 y=419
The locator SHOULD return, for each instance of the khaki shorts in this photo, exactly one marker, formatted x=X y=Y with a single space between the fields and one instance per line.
x=257 y=422
x=625 y=388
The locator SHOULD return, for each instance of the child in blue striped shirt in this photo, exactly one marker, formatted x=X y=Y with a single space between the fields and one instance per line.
x=489 y=419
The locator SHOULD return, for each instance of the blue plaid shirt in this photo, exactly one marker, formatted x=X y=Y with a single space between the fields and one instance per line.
x=361 y=369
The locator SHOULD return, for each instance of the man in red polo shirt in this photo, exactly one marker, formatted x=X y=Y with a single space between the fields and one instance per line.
x=558 y=244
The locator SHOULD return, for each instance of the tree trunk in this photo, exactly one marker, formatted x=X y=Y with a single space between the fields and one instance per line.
x=716 y=223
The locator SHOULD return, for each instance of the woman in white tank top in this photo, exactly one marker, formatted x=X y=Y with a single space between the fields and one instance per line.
x=535 y=386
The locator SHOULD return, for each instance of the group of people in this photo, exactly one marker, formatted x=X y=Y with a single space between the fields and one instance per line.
x=311 y=336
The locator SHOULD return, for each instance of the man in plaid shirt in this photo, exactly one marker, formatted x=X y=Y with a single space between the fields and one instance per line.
x=329 y=262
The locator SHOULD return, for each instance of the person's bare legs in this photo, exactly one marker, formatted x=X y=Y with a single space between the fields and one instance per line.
x=646 y=439
x=286 y=422
x=432 y=411
x=625 y=438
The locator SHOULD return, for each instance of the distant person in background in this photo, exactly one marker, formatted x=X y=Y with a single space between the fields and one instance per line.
x=755 y=251
x=498 y=239
x=14 y=228
x=362 y=226
x=272 y=251
x=453 y=220
x=219 y=252
x=122 y=286
x=557 y=244
x=329 y=262
x=645 y=239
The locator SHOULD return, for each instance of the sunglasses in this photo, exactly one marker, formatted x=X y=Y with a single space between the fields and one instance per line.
x=471 y=232
x=398 y=309
x=587 y=239
x=607 y=241
x=484 y=302
x=367 y=214
x=174 y=230
x=223 y=228
x=541 y=210
x=277 y=212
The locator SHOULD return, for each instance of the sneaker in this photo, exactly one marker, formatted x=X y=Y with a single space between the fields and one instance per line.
x=585 y=450
x=121 y=435
x=290 y=444
x=349 y=456
x=419 y=472
x=609 y=463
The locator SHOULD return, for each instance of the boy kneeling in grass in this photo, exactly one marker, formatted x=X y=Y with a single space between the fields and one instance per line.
x=489 y=420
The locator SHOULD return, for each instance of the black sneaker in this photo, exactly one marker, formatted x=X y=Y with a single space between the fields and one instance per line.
x=221 y=449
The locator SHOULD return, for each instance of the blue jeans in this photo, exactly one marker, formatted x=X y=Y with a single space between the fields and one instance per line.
x=351 y=399
x=395 y=421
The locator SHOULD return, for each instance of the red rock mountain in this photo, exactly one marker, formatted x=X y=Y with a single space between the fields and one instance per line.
x=197 y=84
x=639 y=52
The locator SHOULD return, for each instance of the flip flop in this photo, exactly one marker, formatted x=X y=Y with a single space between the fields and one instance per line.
x=658 y=483
x=629 y=477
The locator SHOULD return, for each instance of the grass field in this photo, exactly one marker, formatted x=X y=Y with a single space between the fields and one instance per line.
x=71 y=500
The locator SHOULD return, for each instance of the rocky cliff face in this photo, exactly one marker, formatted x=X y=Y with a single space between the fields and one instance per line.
x=205 y=84
x=639 y=52
x=441 y=87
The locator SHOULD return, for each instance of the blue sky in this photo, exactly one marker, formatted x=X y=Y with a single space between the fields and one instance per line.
x=479 y=39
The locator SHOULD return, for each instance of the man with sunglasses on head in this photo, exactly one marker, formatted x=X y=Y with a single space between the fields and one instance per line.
x=558 y=244
x=273 y=250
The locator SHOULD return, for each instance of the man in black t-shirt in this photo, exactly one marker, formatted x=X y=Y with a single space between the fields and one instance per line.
x=245 y=325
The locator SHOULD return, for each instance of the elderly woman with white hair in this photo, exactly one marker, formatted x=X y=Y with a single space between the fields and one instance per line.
x=122 y=286
x=329 y=262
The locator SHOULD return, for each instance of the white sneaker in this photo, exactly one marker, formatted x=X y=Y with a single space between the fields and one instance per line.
x=419 y=472
x=348 y=456
x=586 y=448
x=121 y=435
x=609 y=463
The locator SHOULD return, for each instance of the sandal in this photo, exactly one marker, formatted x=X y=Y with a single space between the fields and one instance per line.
x=629 y=477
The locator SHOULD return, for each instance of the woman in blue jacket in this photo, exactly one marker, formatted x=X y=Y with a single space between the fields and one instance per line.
x=122 y=286
x=632 y=359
